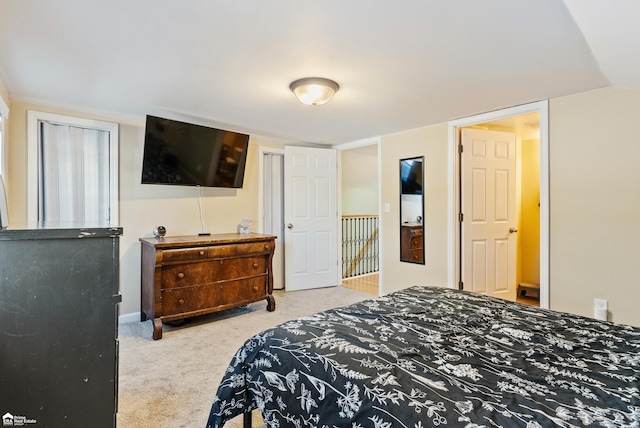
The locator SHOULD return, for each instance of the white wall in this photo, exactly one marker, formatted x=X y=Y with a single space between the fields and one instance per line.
x=410 y=208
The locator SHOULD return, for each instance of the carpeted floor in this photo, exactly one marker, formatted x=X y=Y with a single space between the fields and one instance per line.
x=171 y=382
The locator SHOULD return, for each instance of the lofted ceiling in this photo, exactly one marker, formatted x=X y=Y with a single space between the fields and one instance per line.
x=400 y=65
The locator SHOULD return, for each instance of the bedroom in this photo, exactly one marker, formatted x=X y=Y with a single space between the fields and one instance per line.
x=593 y=206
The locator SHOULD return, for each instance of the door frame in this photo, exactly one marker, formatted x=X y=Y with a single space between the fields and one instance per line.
x=454 y=244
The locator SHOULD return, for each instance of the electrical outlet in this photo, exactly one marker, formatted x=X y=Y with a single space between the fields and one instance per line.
x=600 y=309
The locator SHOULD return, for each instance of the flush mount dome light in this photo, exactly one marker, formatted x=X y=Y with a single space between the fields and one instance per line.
x=314 y=91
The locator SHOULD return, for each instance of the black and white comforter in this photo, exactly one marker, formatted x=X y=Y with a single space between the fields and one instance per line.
x=428 y=356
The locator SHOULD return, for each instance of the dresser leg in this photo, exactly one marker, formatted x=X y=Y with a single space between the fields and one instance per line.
x=157 y=328
x=271 y=303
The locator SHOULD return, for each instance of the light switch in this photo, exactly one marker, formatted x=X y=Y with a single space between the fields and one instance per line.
x=387 y=207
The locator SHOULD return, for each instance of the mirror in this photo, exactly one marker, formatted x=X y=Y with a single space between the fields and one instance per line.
x=411 y=210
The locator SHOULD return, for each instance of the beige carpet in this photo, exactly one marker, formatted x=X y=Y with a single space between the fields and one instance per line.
x=171 y=382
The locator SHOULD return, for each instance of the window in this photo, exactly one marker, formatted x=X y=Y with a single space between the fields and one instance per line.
x=72 y=169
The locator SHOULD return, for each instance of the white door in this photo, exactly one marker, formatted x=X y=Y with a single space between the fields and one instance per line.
x=489 y=213
x=310 y=217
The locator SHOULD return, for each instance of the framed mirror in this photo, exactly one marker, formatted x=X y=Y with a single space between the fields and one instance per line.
x=412 y=210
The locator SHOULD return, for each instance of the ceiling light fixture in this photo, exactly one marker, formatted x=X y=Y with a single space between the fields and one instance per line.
x=314 y=91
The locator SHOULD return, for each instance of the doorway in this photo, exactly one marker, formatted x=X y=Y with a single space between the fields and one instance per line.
x=271 y=202
x=530 y=123
x=359 y=201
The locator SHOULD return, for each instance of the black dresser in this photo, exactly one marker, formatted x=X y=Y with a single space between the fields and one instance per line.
x=59 y=295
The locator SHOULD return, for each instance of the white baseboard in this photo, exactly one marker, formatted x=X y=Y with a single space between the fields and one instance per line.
x=135 y=316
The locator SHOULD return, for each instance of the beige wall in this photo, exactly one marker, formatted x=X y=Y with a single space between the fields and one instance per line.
x=595 y=202
x=142 y=207
x=594 y=208
x=3 y=93
x=359 y=182
x=430 y=142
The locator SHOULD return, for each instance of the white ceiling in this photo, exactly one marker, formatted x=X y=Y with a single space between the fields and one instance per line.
x=400 y=65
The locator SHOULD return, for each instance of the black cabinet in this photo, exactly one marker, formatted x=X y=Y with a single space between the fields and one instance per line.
x=59 y=292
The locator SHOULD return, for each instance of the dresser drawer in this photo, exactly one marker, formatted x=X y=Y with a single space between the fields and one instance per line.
x=231 y=250
x=240 y=249
x=416 y=255
x=184 y=254
x=415 y=231
x=184 y=275
x=228 y=293
x=415 y=243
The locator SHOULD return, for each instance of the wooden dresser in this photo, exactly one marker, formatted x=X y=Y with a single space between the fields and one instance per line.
x=186 y=276
x=412 y=243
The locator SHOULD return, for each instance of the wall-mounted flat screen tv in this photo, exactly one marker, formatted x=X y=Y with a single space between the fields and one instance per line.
x=411 y=176
x=187 y=154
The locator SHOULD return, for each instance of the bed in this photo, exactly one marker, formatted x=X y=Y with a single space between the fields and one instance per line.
x=431 y=356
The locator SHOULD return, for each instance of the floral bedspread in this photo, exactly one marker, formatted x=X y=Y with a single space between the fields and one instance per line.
x=430 y=356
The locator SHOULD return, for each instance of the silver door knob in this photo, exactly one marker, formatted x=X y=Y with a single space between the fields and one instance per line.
x=512 y=230
x=290 y=226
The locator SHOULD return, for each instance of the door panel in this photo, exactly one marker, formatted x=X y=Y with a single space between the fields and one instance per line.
x=479 y=266
x=301 y=189
x=502 y=267
x=311 y=218
x=299 y=257
x=323 y=240
x=489 y=208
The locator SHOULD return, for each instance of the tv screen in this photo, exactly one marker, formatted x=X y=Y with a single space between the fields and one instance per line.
x=186 y=154
x=411 y=176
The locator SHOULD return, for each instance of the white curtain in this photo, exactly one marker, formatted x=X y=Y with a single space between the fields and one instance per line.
x=74 y=174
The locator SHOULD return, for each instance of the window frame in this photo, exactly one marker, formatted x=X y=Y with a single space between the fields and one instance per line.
x=33 y=158
x=4 y=115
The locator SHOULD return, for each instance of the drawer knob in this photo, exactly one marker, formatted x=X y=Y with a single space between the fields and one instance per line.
x=255 y=265
x=255 y=288
x=181 y=301
x=202 y=252
x=181 y=275
x=267 y=246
